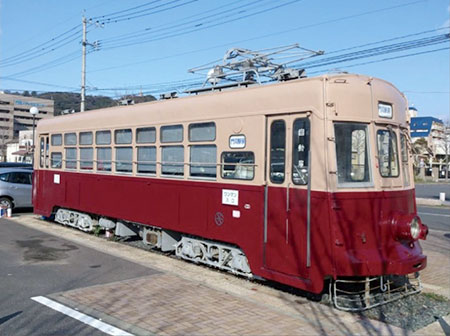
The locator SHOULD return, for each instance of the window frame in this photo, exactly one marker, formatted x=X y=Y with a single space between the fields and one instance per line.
x=145 y=142
x=355 y=184
x=52 y=160
x=395 y=142
x=138 y=162
x=202 y=123
x=223 y=164
x=71 y=160
x=203 y=164
x=55 y=136
x=271 y=156
x=166 y=127
x=308 y=156
x=174 y=163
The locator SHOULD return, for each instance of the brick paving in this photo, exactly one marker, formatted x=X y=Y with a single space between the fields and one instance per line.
x=165 y=304
x=436 y=276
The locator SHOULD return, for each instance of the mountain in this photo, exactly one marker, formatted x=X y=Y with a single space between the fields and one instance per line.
x=71 y=101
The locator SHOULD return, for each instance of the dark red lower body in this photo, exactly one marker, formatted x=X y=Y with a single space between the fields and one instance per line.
x=350 y=233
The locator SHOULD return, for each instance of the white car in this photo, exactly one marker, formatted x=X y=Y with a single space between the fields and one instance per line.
x=15 y=187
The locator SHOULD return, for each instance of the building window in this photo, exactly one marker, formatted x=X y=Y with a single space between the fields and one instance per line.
x=238 y=165
x=172 y=160
x=202 y=132
x=172 y=133
x=203 y=161
x=146 y=135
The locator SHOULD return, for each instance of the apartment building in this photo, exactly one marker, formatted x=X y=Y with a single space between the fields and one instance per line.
x=15 y=116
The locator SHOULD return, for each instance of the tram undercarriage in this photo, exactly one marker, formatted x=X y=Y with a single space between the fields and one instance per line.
x=347 y=294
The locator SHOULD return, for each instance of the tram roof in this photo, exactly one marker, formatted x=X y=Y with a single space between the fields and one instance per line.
x=280 y=97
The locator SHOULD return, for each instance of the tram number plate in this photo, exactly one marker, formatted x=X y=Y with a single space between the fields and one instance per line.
x=230 y=197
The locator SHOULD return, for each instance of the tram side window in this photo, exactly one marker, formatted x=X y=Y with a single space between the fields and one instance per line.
x=71 y=158
x=238 y=165
x=56 y=140
x=300 y=151
x=104 y=159
x=172 y=160
x=352 y=153
x=124 y=159
x=387 y=153
x=86 y=158
x=277 y=151
x=202 y=132
x=85 y=138
x=42 y=152
x=203 y=160
x=103 y=137
x=405 y=166
x=70 y=139
x=56 y=160
x=123 y=136
x=173 y=133
x=146 y=156
x=146 y=135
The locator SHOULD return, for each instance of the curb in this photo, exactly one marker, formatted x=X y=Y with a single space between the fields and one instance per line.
x=432 y=202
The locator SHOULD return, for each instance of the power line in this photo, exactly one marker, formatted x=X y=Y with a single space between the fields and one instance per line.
x=175 y=86
x=194 y=28
x=42 y=49
x=397 y=47
x=262 y=36
x=37 y=83
x=181 y=22
x=124 y=10
x=153 y=10
x=386 y=59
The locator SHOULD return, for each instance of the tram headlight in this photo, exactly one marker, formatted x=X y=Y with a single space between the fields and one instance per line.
x=414 y=227
x=409 y=227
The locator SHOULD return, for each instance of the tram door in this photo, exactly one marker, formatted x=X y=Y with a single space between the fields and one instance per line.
x=285 y=226
x=44 y=151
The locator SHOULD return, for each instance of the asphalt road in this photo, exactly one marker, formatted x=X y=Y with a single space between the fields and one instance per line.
x=437 y=218
x=36 y=264
x=432 y=190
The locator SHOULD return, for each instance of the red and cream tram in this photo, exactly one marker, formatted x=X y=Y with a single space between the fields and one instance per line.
x=298 y=182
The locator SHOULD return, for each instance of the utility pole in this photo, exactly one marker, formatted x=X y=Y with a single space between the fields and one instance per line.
x=83 y=66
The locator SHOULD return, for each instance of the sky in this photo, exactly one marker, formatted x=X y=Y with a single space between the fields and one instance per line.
x=148 y=46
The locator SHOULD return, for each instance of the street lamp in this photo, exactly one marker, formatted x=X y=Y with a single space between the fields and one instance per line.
x=33 y=110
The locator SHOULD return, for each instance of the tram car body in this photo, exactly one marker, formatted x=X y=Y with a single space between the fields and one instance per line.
x=296 y=182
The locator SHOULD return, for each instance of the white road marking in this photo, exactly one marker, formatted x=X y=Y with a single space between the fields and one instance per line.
x=432 y=214
x=102 y=326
